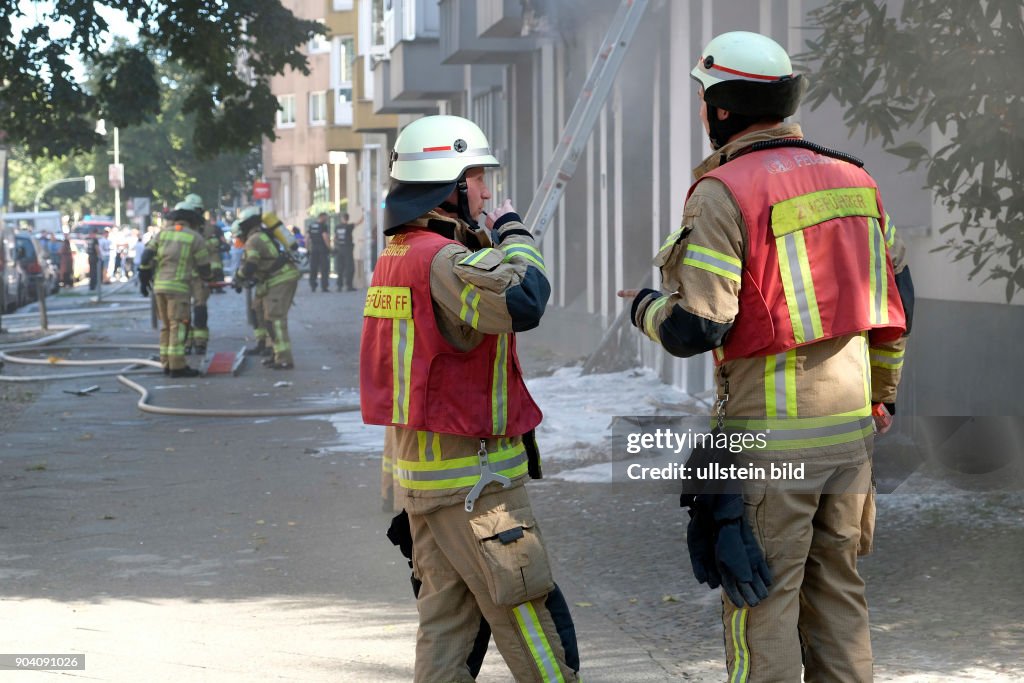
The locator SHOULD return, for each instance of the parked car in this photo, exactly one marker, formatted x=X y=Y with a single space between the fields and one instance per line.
x=36 y=264
x=90 y=224
x=12 y=278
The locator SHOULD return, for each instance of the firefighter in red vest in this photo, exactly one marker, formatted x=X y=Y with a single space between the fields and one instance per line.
x=438 y=364
x=788 y=268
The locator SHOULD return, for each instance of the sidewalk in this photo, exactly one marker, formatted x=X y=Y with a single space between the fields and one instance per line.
x=226 y=550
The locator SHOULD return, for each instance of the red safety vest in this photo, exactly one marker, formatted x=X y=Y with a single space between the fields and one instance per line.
x=817 y=265
x=410 y=376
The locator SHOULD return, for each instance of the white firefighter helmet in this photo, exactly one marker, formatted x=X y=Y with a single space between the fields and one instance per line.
x=439 y=149
x=750 y=76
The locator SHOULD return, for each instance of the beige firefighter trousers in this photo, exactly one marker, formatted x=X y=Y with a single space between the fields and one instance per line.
x=174 y=313
x=816 y=613
x=466 y=571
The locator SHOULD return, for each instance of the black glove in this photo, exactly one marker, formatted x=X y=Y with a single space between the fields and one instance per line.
x=236 y=284
x=723 y=550
x=738 y=558
x=145 y=280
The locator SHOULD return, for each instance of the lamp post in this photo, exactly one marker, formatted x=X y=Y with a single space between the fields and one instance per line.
x=115 y=172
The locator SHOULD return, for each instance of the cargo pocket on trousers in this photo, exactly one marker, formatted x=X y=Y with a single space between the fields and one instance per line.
x=516 y=564
x=867 y=523
x=754 y=507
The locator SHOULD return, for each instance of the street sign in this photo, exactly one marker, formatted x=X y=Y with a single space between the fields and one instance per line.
x=115 y=174
x=140 y=205
x=261 y=190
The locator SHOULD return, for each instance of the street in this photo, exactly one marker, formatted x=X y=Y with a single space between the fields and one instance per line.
x=200 y=549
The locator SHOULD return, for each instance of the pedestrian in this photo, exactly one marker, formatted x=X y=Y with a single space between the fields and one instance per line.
x=318 y=240
x=103 y=241
x=344 y=266
x=270 y=271
x=773 y=229
x=170 y=262
x=300 y=239
x=438 y=309
x=93 y=252
x=66 y=261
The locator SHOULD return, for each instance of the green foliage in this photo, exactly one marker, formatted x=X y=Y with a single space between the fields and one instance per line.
x=232 y=47
x=950 y=64
x=160 y=158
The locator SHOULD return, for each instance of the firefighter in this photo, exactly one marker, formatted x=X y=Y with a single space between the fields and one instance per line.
x=438 y=363
x=786 y=267
x=199 y=332
x=254 y=304
x=269 y=269
x=170 y=263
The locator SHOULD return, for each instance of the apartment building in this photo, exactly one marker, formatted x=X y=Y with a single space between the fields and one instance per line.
x=516 y=67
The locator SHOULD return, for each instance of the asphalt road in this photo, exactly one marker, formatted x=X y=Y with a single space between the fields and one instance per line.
x=199 y=549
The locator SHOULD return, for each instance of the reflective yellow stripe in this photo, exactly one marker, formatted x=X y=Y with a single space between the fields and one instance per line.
x=402 y=338
x=780 y=384
x=442 y=473
x=528 y=252
x=670 y=241
x=863 y=341
x=801 y=212
x=713 y=261
x=470 y=299
x=795 y=269
x=475 y=257
x=499 y=387
x=649 y=314
x=429 y=446
x=890 y=232
x=388 y=302
x=719 y=353
x=892 y=360
x=879 y=284
x=741 y=655
x=537 y=641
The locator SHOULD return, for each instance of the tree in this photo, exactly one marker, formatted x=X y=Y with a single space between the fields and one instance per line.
x=950 y=64
x=159 y=155
x=232 y=47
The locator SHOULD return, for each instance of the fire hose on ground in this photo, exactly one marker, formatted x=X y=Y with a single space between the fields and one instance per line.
x=132 y=366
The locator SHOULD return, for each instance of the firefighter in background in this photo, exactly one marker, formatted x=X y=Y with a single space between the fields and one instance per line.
x=199 y=332
x=438 y=310
x=170 y=263
x=254 y=304
x=773 y=229
x=269 y=268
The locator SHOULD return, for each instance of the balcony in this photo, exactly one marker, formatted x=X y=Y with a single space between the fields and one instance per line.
x=364 y=120
x=499 y=18
x=462 y=44
x=417 y=72
x=384 y=103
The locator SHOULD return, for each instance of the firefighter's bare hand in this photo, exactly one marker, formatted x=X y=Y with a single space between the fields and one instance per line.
x=627 y=293
x=494 y=214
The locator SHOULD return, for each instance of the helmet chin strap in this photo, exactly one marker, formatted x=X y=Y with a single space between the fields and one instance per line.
x=462 y=208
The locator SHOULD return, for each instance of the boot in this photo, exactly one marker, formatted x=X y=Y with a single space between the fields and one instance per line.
x=200 y=350
x=283 y=366
x=257 y=350
x=268 y=362
x=184 y=372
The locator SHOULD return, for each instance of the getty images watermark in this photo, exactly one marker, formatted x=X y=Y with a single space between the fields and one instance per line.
x=919 y=454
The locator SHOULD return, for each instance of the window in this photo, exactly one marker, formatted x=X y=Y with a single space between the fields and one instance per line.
x=319 y=43
x=342 y=65
x=342 y=5
x=286 y=111
x=318 y=107
x=346 y=60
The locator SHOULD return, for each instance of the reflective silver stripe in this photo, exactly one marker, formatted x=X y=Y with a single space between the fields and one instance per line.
x=850 y=427
x=470 y=313
x=499 y=410
x=799 y=286
x=886 y=360
x=537 y=640
x=694 y=255
x=878 y=263
x=457 y=472
x=402 y=371
x=444 y=154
